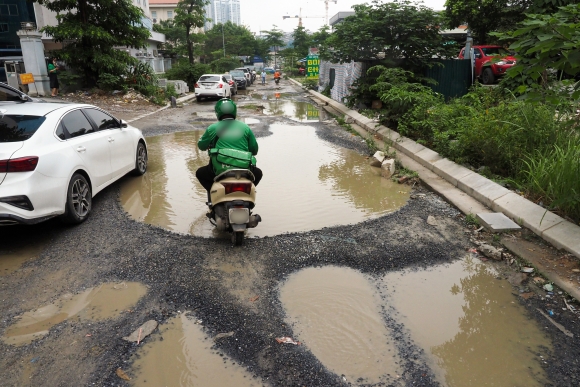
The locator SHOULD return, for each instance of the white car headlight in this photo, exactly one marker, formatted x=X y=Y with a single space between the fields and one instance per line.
x=500 y=63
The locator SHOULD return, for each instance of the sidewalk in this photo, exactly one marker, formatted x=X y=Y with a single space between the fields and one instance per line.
x=472 y=193
x=179 y=100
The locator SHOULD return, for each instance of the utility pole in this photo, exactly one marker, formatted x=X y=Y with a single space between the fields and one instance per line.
x=223 y=40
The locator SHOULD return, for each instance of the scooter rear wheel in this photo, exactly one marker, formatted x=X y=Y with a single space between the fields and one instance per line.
x=238 y=238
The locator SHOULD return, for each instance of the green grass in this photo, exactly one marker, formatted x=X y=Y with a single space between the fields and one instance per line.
x=553 y=176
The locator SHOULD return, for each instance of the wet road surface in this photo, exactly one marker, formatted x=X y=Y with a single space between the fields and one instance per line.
x=375 y=297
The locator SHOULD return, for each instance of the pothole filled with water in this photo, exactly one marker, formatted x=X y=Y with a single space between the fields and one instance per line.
x=105 y=301
x=472 y=327
x=181 y=355
x=294 y=110
x=12 y=260
x=335 y=313
x=308 y=184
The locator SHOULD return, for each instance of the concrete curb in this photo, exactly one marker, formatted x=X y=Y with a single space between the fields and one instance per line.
x=551 y=227
x=179 y=100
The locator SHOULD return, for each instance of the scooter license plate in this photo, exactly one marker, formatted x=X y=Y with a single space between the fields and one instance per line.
x=239 y=215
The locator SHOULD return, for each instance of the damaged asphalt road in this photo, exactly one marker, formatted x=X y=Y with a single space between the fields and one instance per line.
x=183 y=273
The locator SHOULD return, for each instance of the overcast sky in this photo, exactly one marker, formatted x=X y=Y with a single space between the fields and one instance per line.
x=262 y=14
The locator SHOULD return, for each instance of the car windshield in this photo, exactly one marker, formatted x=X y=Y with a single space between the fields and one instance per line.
x=14 y=128
x=209 y=78
x=493 y=51
x=237 y=73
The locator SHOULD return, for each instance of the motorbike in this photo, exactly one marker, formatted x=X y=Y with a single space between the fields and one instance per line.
x=233 y=196
x=277 y=80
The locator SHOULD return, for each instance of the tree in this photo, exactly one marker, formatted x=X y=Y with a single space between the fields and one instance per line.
x=271 y=41
x=302 y=41
x=396 y=30
x=486 y=16
x=174 y=36
x=190 y=14
x=546 y=42
x=319 y=37
x=91 y=29
x=237 y=40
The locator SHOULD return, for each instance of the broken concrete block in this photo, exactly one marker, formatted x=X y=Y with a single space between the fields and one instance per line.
x=348 y=119
x=497 y=222
x=388 y=168
x=380 y=156
x=490 y=251
x=143 y=331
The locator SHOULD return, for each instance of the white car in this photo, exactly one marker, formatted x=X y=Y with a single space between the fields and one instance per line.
x=212 y=86
x=55 y=157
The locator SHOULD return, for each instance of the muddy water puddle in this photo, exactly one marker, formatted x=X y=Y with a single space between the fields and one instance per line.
x=472 y=328
x=470 y=324
x=105 y=301
x=308 y=184
x=335 y=313
x=181 y=356
x=294 y=110
x=13 y=259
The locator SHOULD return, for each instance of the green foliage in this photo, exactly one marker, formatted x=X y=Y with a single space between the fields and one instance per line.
x=548 y=51
x=310 y=84
x=175 y=36
x=553 y=175
x=170 y=91
x=110 y=81
x=187 y=72
x=471 y=220
x=302 y=41
x=92 y=29
x=238 y=40
x=190 y=14
x=220 y=66
x=399 y=29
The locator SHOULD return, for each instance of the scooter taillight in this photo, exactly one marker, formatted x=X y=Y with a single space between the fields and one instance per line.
x=237 y=187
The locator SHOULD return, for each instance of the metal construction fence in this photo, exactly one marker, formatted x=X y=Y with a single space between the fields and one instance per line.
x=453 y=77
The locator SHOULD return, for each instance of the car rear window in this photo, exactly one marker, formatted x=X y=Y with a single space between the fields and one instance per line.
x=209 y=78
x=14 y=128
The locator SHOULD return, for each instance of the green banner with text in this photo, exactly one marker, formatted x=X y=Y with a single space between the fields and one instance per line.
x=312 y=69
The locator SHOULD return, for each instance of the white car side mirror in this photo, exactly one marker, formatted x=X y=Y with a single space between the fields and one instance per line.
x=123 y=124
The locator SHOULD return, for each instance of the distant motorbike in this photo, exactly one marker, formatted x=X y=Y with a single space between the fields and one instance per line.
x=277 y=80
x=233 y=196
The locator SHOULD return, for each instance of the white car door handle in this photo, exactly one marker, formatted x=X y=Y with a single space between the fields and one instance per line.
x=111 y=139
x=81 y=149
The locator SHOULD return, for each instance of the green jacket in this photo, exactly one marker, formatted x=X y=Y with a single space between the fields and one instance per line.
x=228 y=134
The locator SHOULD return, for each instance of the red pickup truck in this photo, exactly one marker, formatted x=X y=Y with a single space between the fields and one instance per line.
x=488 y=66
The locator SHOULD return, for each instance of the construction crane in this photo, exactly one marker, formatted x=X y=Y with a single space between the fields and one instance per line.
x=326 y=4
x=299 y=17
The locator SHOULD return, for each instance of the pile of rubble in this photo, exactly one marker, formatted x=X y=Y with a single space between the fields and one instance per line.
x=115 y=102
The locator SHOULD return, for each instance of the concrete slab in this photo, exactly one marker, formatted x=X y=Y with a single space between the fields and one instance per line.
x=450 y=171
x=472 y=182
x=497 y=222
x=526 y=213
x=408 y=146
x=427 y=158
x=387 y=134
x=487 y=193
x=564 y=235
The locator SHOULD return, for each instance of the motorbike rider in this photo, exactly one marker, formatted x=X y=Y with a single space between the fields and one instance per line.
x=277 y=74
x=227 y=133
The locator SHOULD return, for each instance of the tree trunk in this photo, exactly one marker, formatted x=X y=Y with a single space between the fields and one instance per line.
x=189 y=44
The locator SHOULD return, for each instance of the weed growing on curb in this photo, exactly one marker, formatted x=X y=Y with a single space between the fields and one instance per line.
x=471 y=220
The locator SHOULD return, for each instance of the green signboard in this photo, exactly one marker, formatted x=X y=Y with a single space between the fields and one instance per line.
x=312 y=112
x=312 y=69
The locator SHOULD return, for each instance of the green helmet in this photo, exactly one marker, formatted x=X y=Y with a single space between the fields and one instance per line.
x=225 y=108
